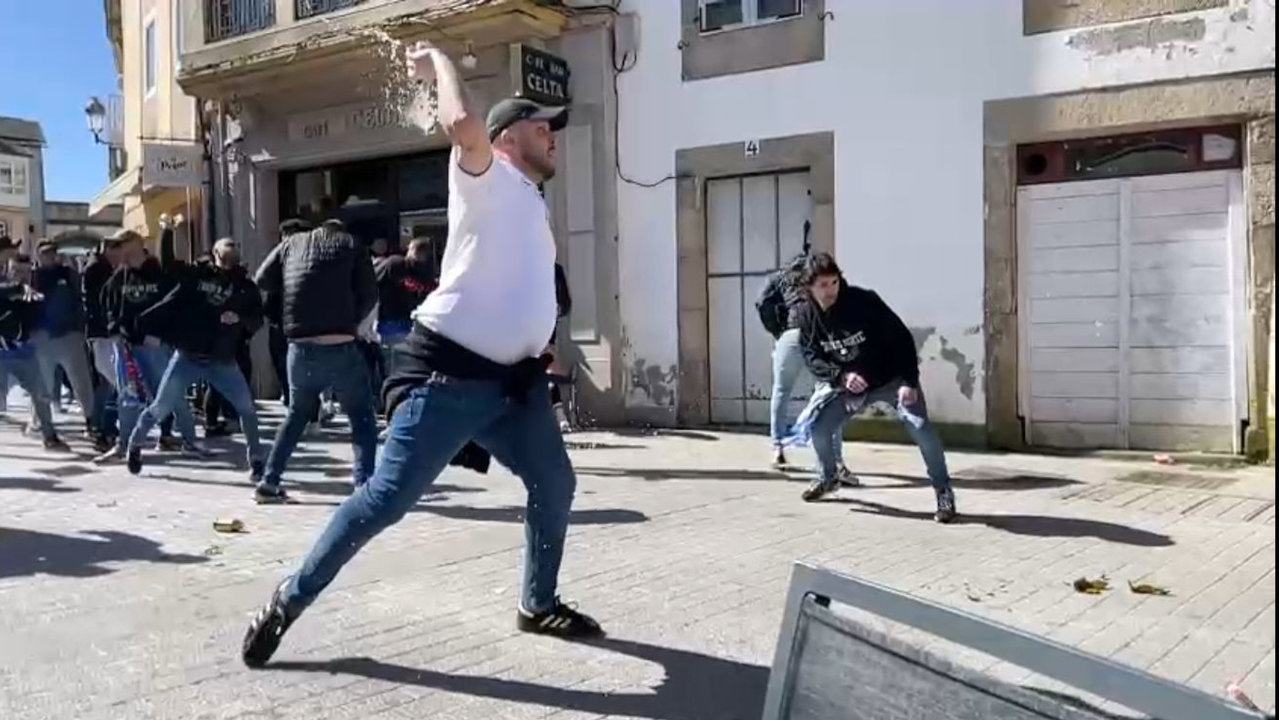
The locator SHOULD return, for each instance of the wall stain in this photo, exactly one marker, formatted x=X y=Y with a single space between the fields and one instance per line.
x=654 y=382
x=1149 y=34
x=921 y=335
x=965 y=369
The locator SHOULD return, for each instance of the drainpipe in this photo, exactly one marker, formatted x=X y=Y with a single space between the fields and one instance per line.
x=210 y=180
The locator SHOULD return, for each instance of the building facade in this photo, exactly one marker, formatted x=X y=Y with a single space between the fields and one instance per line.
x=21 y=179
x=71 y=226
x=1071 y=204
x=309 y=124
x=152 y=128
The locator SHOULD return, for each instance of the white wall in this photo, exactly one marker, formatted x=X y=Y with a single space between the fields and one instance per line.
x=902 y=88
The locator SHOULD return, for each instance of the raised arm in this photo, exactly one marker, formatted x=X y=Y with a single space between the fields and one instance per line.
x=459 y=119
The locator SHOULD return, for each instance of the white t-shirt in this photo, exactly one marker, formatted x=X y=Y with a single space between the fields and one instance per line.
x=496 y=296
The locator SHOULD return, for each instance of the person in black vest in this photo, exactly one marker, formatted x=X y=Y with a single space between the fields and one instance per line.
x=862 y=354
x=208 y=315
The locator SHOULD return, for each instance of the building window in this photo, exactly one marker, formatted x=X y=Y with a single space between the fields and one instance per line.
x=13 y=178
x=4 y=228
x=728 y=14
x=149 y=66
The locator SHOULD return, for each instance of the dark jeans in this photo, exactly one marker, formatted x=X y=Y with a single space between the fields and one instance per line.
x=427 y=429
x=314 y=368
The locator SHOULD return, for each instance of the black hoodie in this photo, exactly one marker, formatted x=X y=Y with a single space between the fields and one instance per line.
x=92 y=281
x=189 y=317
x=859 y=334
x=132 y=291
x=19 y=317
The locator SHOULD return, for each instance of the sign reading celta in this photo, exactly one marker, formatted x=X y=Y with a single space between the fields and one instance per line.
x=172 y=165
x=543 y=77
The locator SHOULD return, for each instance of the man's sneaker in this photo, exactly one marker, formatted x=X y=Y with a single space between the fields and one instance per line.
x=266 y=630
x=270 y=495
x=114 y=455
x=820 y=489
x=55 y=443
x=256 y=469
x=846 y=478
x=196 y=450
x=779 y=458
x=102 y=443
x=168 y=443
x=562 y=621
x=133 y=460
x=946 y=512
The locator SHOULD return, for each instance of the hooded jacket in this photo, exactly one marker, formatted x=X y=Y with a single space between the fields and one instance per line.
x=859 y=333
x=92 y=281
x=132 y=291
x=189 y=317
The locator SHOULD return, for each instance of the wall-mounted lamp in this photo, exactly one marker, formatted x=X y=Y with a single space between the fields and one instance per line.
x=96 y=115
x=469 y=61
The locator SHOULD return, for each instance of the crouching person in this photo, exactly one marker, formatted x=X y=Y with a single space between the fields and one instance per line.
x=862 y=350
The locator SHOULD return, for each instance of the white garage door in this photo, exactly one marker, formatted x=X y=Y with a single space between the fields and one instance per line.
x=752 y=224
x=1131 y=312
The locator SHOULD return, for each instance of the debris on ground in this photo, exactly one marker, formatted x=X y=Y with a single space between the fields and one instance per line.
x=1237 y=694
x=229 y=525
x=1092 y=587
x=1148 y=589
x=1165 y=459
x=213 y=551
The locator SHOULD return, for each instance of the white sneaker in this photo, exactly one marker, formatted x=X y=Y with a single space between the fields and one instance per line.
x=112 y=456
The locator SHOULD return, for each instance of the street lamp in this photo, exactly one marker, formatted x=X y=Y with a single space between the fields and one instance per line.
x=96 y=115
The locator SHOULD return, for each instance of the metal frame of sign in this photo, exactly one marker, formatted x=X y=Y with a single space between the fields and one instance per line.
x=1094 y=675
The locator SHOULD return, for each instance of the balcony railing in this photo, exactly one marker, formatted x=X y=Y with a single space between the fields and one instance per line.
x=229 y=18
x=113 y=123
x=303 y=9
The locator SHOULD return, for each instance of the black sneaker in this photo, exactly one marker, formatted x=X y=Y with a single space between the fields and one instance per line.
x=270 y=495
x=256 y=469
x=133 y=461
x=102 y=443
x=819 y=489
x=562 y=621
x=946 y=512
x=266 y=630
x=217 y=430
x=55 y=443
x=779 y=458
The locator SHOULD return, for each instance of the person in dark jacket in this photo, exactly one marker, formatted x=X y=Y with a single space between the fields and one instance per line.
x=209 y=314
x=857 y=346
x=140 y=356
x=60 y=341
x=324 y=279
x=101 y=346
x=403 y=282
x=20 y=310
x=779 y=305
x=226 y=255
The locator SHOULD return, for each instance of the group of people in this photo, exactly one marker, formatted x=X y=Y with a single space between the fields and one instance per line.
x=466 y=366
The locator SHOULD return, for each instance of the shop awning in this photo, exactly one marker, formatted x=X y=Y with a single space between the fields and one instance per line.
x=129 y=182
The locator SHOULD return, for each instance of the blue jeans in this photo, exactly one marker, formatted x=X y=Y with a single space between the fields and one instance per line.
x=915 y=418
x=788 y=366
x=152 y=363
x=426 y=430
x=312 y=369
x=23 y=365
x=225 y=377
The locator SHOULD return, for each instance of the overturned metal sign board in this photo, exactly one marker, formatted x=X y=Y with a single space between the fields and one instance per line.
x=831 y=666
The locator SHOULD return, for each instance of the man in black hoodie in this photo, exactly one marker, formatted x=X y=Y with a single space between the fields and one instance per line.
x=141 y=357
x=864 y=354
x=20 y=310
x=211 y=311
x=101 y=347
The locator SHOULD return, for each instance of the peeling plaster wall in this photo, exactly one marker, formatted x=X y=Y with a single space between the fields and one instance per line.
x=902 y=89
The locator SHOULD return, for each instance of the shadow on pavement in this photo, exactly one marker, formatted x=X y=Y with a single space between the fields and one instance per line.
x=35 y=484
x=696 y=687
x=662 y=432
x=660 y=474
x=610 y=516
x=1001 y=483
x=592 y=445
x=1034 y=525
x=27 y=552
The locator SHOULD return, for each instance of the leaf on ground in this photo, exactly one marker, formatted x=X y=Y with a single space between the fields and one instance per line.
x=1148 y=589
x=1092 y=587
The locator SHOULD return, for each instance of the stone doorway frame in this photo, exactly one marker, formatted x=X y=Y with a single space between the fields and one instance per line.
x=694 y=166
x=1247 y=99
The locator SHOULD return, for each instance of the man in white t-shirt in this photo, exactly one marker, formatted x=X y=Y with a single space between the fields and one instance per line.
x=472 y=368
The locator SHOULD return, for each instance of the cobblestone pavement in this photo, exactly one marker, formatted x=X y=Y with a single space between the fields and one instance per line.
x=120 y=601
